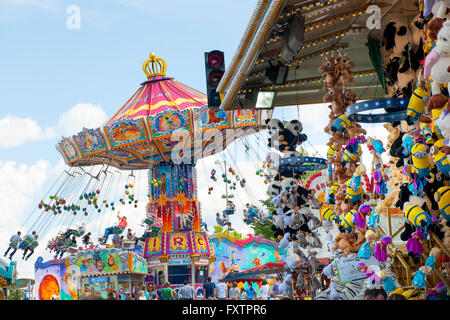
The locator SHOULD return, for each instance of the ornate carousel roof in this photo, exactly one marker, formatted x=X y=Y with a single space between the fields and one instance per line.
x=163 y=115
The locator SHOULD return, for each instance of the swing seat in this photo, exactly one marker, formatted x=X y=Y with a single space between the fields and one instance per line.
x=33 y=245
x=117 y=231
x=149 y=221
x=228 y=211
x=13 y=245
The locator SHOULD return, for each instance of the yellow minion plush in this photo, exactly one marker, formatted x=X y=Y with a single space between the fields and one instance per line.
x=440 y=159
x=416 y=104
x=348 y=221
x=416 y=215
x=328 y=214
x=421 y=161
x=442 y=197
x=332 y=151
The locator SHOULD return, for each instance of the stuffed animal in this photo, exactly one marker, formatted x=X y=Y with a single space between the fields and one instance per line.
x=336 y=97
x=360 y=215
x=414 y=244
x=330 y=76
x=381 y=248
x=328 y=214
x=442 y=197
x=440 y=8
x=416 y=105
x=352 y=151
x=347 y=222
x=343 y=66
x=344 y=243
x=354 y=190
x=420 y=277
x=433 y=255
x=416 y=216
x=440 y=159
x=421 y=161
x=439 y=68
x=366 y=249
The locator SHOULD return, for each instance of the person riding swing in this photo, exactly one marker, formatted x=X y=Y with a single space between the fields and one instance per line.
x=121 y=225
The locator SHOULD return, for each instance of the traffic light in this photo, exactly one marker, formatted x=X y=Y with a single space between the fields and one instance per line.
x=215 y=68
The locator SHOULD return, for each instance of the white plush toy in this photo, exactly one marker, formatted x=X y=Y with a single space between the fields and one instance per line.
x=439 y=72
x=284 y=243
x=440 y=8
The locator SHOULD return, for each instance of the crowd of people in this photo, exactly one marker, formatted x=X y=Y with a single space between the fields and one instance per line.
x=209 y=291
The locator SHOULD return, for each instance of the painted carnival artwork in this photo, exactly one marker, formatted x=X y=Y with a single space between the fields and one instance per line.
x=232 y=254
x=90 y=141
x=125 y=132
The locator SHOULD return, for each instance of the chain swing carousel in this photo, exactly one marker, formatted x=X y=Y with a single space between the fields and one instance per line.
x=165 y=127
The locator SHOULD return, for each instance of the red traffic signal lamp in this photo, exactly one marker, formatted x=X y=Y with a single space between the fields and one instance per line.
x=215 y=68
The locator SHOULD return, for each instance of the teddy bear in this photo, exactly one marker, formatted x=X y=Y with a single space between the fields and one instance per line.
x=439 y=61
x=344 y=242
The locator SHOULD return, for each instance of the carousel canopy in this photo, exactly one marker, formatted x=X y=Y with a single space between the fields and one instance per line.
x=163 y=115
x=264 y=60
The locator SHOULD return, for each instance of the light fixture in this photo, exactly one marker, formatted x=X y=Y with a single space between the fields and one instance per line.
x=265 y=100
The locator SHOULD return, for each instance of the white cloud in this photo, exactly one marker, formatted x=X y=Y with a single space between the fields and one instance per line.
x=48 y=5
x=19 y=184
x=82 y=115
x=15 y=131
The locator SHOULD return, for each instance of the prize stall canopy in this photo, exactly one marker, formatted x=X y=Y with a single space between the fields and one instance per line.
x=286 y=40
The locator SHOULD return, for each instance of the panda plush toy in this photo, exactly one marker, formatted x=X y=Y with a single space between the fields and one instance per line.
x=276 y=130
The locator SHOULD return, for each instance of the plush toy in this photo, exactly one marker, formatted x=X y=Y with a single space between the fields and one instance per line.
x=440 y=159
x=439 y=8
x=347 y=222
x=439 y=292
x=344 y=243
x=328 y=214
x=366 y=249
x=343 y=66
x=336 y=98
x=380 y=184
x=284 y=243
x=439 y=67
x=374 y=219
x=352 y=151
x=354 y=190
x=360 y=215
x=421 y=161
x=389 y=284
x=334 y=294
x=416 y=105
x=443 y=125
x=442 y=197
x=414 y=244
x=330 y=76
x=416 y=216
x=431 y=260
x=381 y=248
x=419 y=280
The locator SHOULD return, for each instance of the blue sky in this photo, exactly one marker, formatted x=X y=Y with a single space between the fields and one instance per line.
x=54 y=81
